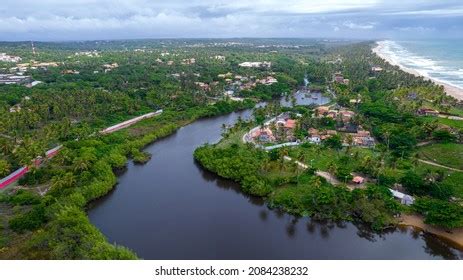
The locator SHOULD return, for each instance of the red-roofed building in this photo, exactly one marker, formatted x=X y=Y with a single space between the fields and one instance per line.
x=290 y=124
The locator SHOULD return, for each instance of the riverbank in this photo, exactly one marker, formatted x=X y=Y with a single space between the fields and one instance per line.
x=451 y=90
x=455 y=236
x=70 y=209
x=157 y=188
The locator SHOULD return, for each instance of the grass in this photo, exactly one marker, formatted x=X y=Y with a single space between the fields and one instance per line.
x=233 y=138
x=448 y=154
x=453 y=179
x=456 y=111
x=323 y=157
x=449 y=122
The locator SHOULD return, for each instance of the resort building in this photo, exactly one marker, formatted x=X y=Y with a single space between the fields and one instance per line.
x=9 y=79
x=427 y=112
x=9 y=58
x=255 y=64
x=339 y=78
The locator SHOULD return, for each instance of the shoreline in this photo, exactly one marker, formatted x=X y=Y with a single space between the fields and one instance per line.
x=454 y=236
x=450 y=90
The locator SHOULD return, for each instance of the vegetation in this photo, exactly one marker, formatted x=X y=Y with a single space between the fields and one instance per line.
x=296 y=191
x=45 y=216
x=448 y=154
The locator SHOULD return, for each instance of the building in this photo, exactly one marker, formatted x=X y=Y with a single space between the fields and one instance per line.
x=188 y=61
x=9 y=79
x=110 y=67
x=9 y=58
x=376 y=69
x=322 y=110
x=315 y=139
x=269 y=80
x=402 y=197
x=263 y=135
x=346 y=115
x=203 y=86
x=338 y=78
x=73 y=72
x=358 y=180
x=219 y=57
x=363 y=141
x=412 y=96
x=427 y=112
x=255 y=64
x=290 y=124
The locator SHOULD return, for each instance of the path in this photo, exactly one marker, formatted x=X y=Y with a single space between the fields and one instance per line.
x=421 y=144
x=330 y=178
x=450 y=117
x=439 y=165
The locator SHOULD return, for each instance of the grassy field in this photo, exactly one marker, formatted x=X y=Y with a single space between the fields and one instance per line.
x=449 y=154
x=233 y=138
x=323 y=157
x=452 y=123
x=452 y=178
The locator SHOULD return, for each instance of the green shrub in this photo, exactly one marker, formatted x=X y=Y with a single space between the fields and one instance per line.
x=440 y=213
x=30 y=220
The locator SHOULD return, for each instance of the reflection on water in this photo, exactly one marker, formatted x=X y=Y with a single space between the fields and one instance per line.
x=171 y=208
x=304 y=97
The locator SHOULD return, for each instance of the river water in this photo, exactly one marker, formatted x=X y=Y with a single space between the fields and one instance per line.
x=171 y=208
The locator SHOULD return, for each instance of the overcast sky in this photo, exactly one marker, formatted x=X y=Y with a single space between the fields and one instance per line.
x=130 y=19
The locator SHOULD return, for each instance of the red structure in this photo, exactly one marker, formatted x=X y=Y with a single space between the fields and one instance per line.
x=15 y=176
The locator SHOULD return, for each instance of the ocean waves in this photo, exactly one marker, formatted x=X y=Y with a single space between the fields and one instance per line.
x=424 y=60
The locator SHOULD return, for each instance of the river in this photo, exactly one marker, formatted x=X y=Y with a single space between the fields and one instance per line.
x=171 y=208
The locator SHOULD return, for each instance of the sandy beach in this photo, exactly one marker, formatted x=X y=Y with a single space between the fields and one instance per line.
x=449 y=89
x=454 y=236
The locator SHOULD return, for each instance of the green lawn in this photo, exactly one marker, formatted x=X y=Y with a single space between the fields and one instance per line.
x=449 y=154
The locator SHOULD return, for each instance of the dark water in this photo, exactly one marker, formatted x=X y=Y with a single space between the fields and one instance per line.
x=303 y=97
x=171 y=208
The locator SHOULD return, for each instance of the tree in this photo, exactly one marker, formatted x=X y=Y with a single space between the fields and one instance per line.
x=439 y=212
x=333 y=142
x=4 y=168
x=443 y=136
x=413 y=183
x=343 y=173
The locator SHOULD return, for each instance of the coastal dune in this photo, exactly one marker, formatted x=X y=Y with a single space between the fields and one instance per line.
x=379 y=50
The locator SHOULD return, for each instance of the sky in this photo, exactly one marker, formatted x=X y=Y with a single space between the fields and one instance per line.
x=56 y=20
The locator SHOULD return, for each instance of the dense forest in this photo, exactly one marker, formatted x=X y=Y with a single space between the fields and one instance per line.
x=96 y=84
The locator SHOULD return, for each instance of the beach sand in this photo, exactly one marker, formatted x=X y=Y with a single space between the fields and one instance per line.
x=449 y=89
x=454 y=236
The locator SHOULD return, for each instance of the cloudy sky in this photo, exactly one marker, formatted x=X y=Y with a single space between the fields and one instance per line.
x=129 y=19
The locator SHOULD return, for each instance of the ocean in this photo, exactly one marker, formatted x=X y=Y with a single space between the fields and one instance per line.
x=441 y=60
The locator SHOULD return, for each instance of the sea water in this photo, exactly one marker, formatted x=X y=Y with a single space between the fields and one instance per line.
x=441 y=60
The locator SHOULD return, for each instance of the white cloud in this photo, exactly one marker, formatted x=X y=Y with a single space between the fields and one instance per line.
x=212 y=18
x=353 y=25
x=454 y=11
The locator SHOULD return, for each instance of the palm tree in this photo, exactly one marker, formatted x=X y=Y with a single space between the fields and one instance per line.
x=387 y=135
x=63 y=181
x=332 y=168
x=316 y=182
x=283 y=153
x=4 y=167
x=350 y=141
x=224 y=130
x=415 y=159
